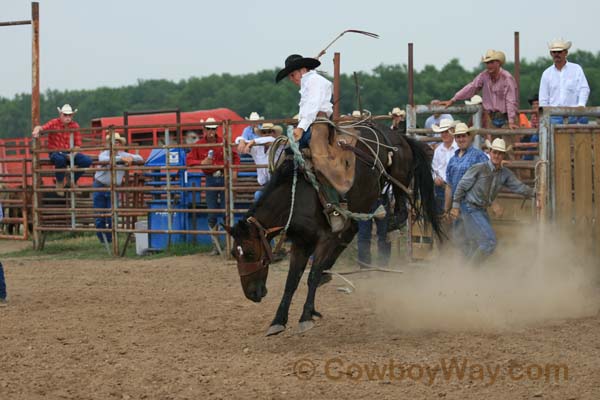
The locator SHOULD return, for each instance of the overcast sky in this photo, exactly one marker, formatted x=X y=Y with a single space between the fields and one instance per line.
x=86 y=44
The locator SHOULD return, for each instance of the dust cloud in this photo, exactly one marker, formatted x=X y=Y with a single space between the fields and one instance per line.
x=524 y=283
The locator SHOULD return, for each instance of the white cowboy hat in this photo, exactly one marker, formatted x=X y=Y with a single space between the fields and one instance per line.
x=559 y=45
x=66 y=109
x=211 y=119
x=474 y=100
x=356 y=114
x=397 y=111
x=444 y=125
x=492 y=55
x=267 y=126
x=498 y=145
x=461 y=129
x=296 y=117
x=118 y=137
x=254 y=116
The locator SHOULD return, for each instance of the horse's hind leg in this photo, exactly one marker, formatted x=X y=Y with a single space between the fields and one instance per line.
x=298 y=260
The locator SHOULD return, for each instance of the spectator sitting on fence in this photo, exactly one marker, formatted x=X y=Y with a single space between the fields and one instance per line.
x=436 y=118
x=498 y=91
x=398 y=120
x=58 y=142
x=211 y=160
x=563 y=84
x=102 y=179
x=258 y=148
x=249 y=133
x=475 y=192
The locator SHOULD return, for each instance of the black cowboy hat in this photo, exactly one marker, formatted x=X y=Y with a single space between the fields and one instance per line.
x=533 y=98
x=294 y=62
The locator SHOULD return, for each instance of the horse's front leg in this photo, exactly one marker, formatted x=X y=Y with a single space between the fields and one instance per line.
x=298 y=259
x=326 y=253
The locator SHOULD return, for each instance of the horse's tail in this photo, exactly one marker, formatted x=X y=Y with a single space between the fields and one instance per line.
x=424 y=197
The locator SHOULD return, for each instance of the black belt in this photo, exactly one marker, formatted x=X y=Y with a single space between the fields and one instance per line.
x=497 y=115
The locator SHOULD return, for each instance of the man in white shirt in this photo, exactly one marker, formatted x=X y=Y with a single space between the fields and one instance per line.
x=315 y=102
x=563 y=84
x=102 y=179
x=259 y=149
x=442 y=154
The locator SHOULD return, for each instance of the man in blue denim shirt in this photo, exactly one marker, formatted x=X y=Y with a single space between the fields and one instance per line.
x=475 y=192
x=2 y=287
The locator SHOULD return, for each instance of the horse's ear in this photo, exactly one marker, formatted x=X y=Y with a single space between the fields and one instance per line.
x=227 y=228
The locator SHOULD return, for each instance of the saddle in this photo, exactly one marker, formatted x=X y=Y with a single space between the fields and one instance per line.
x=330 y=156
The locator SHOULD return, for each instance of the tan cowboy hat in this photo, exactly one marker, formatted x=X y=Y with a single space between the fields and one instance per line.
x=444 y=125
x=294 y=62
x=498 y=145
x=461 y=129
x=296 y=117
x=118 y=137
x=474 y=100
x=254 y=116
x=397 y=111
x=267 y=126
x=492 y=55
x=66 y=109
x=211 y=119
x=559 y=45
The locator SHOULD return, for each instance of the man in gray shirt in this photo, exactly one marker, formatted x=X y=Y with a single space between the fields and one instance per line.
x=476 y=191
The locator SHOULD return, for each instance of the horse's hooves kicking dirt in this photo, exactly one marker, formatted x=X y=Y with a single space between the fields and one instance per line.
x=275 y=329
x=305 y=326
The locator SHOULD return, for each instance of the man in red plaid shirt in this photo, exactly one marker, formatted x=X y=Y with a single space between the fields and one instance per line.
x=59 y=144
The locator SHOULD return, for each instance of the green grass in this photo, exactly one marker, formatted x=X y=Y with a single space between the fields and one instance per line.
x=65 y=245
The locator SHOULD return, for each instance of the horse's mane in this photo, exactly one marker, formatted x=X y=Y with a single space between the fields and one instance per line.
x=282 y=174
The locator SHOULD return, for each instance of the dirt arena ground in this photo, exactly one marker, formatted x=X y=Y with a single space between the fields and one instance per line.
x=180 y=328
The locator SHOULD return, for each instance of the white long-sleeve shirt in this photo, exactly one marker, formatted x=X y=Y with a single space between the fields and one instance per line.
x=441 y=156
x=315 y=96
x=565 y=88
x=103 y=174
x=260 y=155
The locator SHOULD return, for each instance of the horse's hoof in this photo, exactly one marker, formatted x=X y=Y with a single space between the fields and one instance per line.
x=305 y=326
x=317 y=314
x=275 y=329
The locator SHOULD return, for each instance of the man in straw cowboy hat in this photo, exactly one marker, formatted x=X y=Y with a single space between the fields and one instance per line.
x=315 y=102
x=466 y=156
x=441 y=156
x=258 y=148
x=250 y=132
x=498 y=91
x=475 y=192
x=103 y=177
x=59 y=141
x=398 y=120
x=563 y=84
x=211 y=160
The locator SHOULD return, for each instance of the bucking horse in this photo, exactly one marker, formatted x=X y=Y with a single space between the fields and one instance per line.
x=381 y=157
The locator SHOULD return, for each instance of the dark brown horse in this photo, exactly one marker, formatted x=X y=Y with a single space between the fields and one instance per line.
x=309 y=230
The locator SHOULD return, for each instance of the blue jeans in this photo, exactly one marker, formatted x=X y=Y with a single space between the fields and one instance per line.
x=61 y=160
x=305 y=139
x=479 y=235
x=365 y=229
x=2 y=284
x=102 y=200
x=214 y=198
x=557 y=119
x=498 y=122
x=440 y=198
x=257 y=195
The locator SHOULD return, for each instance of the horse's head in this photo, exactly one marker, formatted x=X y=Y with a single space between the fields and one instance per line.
x=252 y=251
